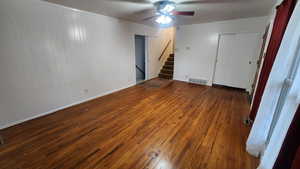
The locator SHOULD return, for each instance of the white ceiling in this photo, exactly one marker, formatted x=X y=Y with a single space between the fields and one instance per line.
x=207 y=11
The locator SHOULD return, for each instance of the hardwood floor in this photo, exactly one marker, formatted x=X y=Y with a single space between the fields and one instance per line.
x=159 y=124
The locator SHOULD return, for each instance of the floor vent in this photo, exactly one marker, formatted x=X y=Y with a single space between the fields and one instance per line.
x=198 y=81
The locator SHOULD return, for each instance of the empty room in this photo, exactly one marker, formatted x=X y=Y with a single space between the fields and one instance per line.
x=149 y=84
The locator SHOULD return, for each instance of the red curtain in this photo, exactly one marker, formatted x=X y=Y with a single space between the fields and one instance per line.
x=296 y=161
x=284 y=12
x=289 y=154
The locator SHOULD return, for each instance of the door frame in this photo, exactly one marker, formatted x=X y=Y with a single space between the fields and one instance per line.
x=146 y=57
x=216 y=59
x=259 y=62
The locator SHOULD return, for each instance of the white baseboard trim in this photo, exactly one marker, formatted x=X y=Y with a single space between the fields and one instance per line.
x=181 y=80
x=63 y=107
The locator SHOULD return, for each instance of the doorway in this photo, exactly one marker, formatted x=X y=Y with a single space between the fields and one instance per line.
x=259 y=62
x=236 y=60
x=140 y=58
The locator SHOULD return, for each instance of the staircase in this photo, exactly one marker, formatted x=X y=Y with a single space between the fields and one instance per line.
x=167 y=71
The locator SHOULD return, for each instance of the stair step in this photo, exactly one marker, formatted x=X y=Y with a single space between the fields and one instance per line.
x=172 y=55
x=168 y=67
x=167 y=71
x=165 y=76
x=169 y=63
x=170 y=59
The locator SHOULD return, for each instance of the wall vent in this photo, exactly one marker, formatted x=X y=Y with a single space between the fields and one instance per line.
x=198 y=81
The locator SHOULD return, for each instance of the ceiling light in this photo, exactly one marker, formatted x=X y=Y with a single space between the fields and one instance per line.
x=164 y=19
x=167 y=8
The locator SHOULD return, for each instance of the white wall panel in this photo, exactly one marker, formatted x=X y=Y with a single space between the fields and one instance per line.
x=52 y=56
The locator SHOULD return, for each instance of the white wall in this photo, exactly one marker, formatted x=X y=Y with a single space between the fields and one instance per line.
x=52 y=57
x=196 y=45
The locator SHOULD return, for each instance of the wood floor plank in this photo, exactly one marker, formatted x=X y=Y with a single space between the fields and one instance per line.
x=159 y=124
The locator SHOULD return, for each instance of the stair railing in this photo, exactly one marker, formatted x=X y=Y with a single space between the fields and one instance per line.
x=165 y=49
x=140 y=69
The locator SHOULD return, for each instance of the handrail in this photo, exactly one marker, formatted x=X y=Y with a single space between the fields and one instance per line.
x=139 y=68
x=163 y=52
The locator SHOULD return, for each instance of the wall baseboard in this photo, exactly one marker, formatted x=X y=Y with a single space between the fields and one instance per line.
x=63 y=107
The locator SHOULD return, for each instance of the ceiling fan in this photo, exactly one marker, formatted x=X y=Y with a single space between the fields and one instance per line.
x=165 y=10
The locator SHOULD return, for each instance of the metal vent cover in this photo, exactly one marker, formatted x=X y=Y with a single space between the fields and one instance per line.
x=198 y=81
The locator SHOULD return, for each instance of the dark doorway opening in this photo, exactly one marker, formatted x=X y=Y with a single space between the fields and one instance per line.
x=140 y=57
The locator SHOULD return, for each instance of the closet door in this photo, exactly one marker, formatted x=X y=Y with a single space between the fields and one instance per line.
x=236 y=60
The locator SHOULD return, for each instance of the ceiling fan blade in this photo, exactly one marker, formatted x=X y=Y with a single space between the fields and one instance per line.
x=145 y=14
x=185 y=13
x=149 y=18
x=142 y=15
x=205 y=1
x=133 y=1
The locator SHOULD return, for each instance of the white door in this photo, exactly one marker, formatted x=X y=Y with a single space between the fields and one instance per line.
x=236 y=60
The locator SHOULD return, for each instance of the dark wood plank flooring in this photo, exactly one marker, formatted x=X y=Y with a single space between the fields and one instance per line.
x=158 y=124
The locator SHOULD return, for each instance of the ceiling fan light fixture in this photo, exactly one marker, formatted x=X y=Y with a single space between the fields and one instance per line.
x=164 y=19
x=167 y=8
